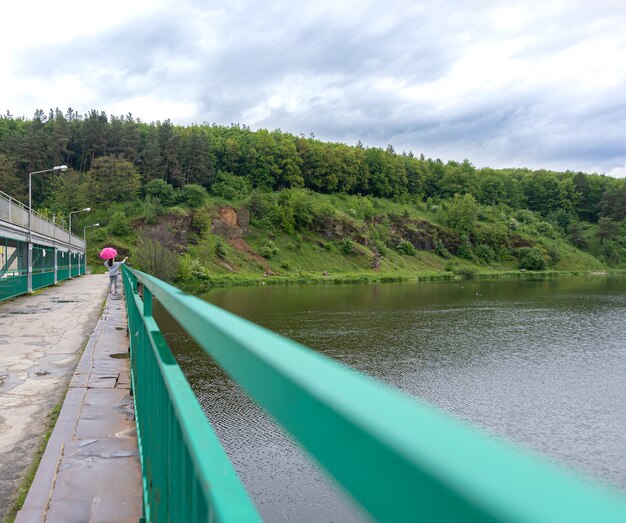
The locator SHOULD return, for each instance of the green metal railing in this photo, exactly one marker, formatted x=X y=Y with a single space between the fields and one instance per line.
x=14 y=267
x=400 y=459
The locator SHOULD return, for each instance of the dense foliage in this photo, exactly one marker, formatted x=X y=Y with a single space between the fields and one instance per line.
x=113 y=157
x=154 y=166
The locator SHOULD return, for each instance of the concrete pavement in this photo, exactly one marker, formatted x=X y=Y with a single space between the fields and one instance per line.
x=40 y=337
x=90 y=470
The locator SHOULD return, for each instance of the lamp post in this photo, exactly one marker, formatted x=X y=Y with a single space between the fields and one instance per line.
x=85 y=239
x=69 y=239
x=30 y=220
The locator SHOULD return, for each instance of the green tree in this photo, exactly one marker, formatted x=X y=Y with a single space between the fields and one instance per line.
x=162 y=190
x=460 y=212
x=193 y=195
x=608 y=229
x=115 y=179
x=10 y=183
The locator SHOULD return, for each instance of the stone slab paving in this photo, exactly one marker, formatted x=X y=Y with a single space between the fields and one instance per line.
x=41 y=336
x=91 y=470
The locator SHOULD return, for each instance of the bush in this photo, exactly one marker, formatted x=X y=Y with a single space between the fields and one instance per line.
x=460 y=212
x=155 y=257
x=295 y=210
x=450 y=266
x=525 y=216
x=269 y=249
x=465 y=247
x=118 y=224
x=441 y=250
x=162 y=190
x=220 y=248
x=467 y=274
x=151 y=209
x=531 y=259
x=191 y=268
x=347 y=246
x=547 y=229
x=98 y=235
x=485 y=253
x=554 y=255
x=407 y=248
x=261 y=206
x=230 y=187
x=193 y=195
x=201 y=220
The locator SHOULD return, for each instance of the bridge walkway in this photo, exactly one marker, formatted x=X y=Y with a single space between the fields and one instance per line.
x=90 y=470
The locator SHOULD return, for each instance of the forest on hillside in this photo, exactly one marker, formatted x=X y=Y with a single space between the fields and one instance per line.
x=121 y=159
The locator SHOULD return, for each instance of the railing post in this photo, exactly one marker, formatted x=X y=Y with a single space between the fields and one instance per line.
x=30 y=266
x=147 y=302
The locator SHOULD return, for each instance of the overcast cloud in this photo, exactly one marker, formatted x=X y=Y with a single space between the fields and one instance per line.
x=540 y=84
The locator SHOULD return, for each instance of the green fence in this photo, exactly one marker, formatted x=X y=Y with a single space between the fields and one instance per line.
x=13 y=268
x=63 y=264
x=400 y=459
x=43 y=266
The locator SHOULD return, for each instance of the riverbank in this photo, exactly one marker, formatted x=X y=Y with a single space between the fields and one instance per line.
x=198 y=286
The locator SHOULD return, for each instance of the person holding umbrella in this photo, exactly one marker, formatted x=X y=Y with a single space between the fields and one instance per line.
x=109 y=254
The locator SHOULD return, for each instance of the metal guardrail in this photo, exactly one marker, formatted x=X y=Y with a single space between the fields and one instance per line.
x=16 y=213
x=400 y=459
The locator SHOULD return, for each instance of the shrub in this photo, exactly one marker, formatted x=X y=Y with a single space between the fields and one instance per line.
x=156 y=258
x=230 y=187
x=450 y=266
x=531 y=259
x=201 y=220
x=407 y=248
x=465 y=248
x=441 y=250
x=525 y=216
x=467 y=274
x=296 y=209
x=460 y=212
x=118 y=224
x=220 y=248
x=193 y=195
x=547 y=229
x=347 y=246
x=162 y=190
x=485 y=253
x=269 y=249
x=554 y=255
x=151 y=209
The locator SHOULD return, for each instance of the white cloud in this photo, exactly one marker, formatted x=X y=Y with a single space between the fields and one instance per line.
x=618 y=172
x=537 y=83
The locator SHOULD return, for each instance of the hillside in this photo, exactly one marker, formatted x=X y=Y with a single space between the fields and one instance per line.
x=208 y=203
x=298 y=235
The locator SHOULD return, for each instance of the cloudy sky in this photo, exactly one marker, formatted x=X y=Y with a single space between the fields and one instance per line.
x=540 y=84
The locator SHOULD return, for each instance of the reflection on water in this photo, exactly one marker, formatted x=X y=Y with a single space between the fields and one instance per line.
x=541 y=362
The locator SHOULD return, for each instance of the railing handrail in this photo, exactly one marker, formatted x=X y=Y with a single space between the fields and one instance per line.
x=75 y=240
x=398 y=457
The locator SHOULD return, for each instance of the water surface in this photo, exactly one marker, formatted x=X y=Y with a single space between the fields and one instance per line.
x=542 y=363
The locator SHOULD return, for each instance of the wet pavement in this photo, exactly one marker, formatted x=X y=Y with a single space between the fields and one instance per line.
x=90 y=470
x=41 y=337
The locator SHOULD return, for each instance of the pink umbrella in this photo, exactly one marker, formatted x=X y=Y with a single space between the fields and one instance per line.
x=108 y=253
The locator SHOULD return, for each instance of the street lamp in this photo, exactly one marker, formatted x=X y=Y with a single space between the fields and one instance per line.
x=30 y=219
x=69 y=239
x=85 y=239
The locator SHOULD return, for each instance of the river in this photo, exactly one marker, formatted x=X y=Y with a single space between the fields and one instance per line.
x=542 y=363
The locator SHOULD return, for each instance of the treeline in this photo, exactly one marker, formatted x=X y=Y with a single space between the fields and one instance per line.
x=114 y=158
